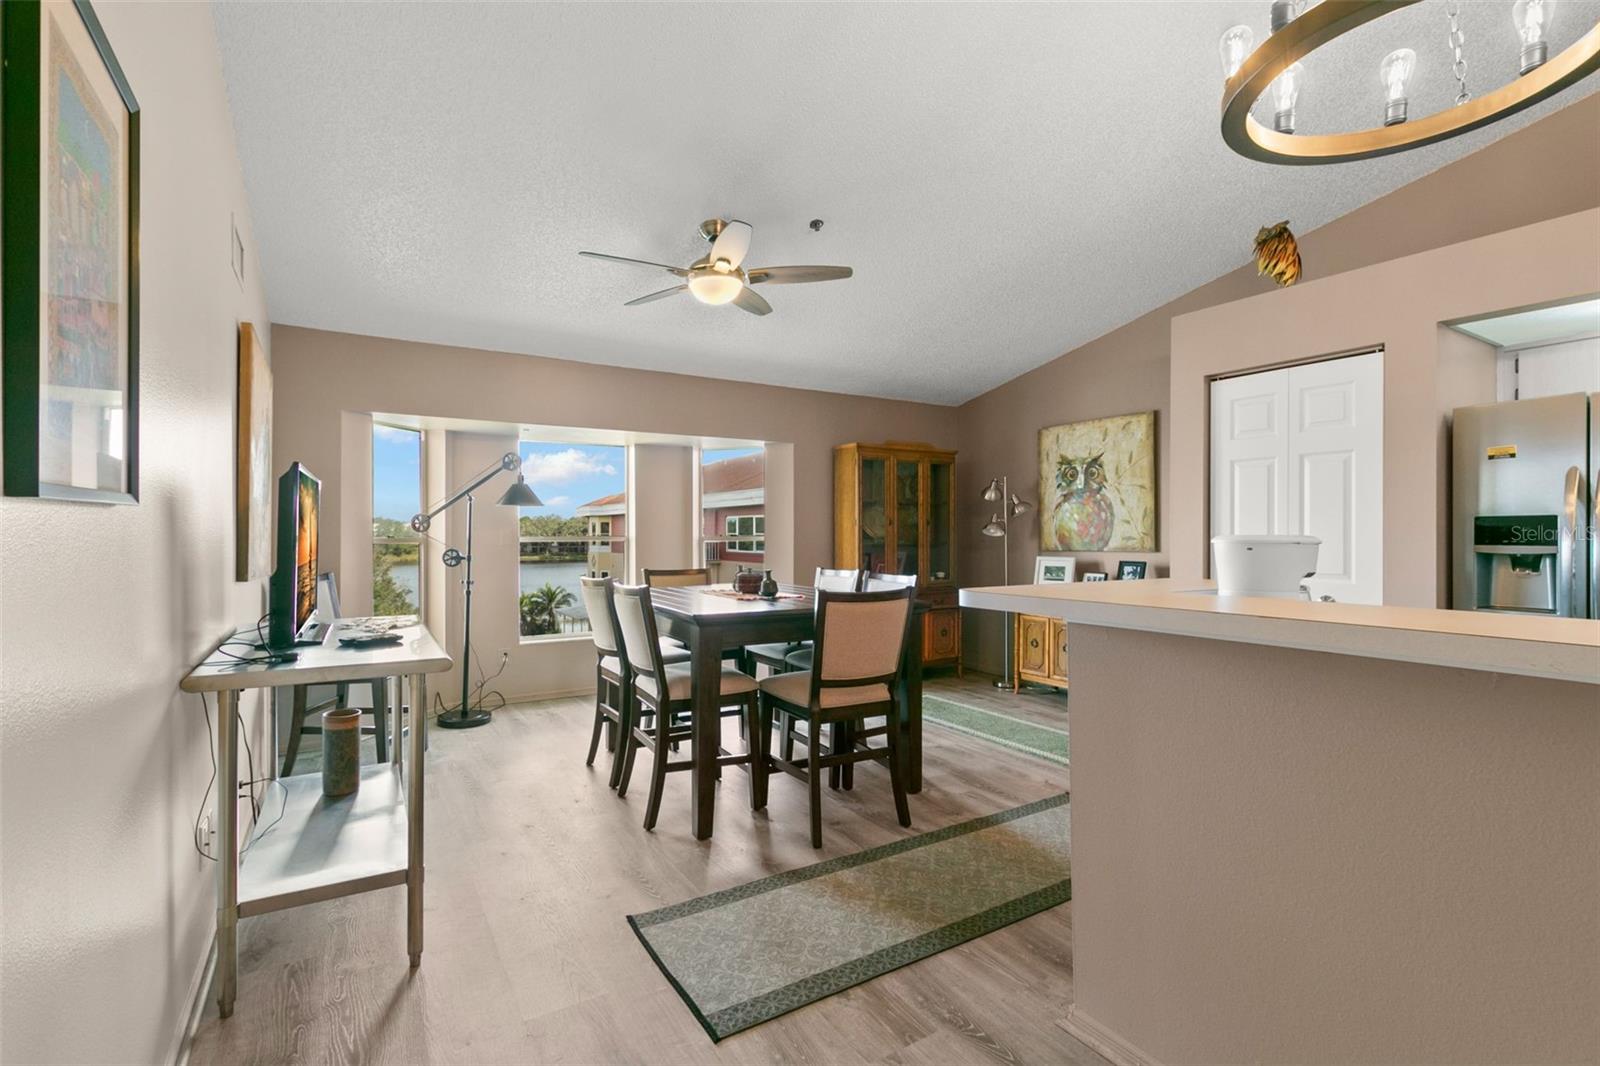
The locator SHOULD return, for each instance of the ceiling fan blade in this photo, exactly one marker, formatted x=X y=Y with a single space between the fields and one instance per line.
x=680 y=271
x=792 y=275
x=752 y=301
x=733 y=243
x=662 y=295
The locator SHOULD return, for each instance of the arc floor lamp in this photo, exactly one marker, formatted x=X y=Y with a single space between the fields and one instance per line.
x=999 y=525
x=518 y=495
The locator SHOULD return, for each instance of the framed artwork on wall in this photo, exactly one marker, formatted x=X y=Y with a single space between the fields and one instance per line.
x=1097 y=485
x=69 y=132
x=253 y=461
x=1131 y=570
x=1054 y=569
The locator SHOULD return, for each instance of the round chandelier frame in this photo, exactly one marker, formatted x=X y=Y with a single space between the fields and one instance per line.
x=1334 y=18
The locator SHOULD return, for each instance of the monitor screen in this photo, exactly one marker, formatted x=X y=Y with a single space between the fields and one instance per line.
x=305 y=549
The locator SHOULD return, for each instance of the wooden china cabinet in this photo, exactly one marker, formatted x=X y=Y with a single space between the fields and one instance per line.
x=1040 y=653
x=894 y=512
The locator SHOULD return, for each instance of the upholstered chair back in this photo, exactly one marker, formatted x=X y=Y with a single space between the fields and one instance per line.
x=597 y=601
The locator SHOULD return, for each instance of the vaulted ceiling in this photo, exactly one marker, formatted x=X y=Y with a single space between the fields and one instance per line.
x=1008 y=181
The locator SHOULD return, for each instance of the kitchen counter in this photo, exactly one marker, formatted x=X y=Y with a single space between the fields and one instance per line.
x=1327 y=832
x=1562 y=649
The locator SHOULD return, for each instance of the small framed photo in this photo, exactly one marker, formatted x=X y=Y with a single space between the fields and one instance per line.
x=1131 y=570
x=1054 y=569
x=1094 y=577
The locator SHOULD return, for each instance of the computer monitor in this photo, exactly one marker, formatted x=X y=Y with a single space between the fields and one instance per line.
x=292 y=595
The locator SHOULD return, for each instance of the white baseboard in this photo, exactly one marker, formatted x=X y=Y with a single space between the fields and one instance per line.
x=183 y=1040
x=1103 y=1040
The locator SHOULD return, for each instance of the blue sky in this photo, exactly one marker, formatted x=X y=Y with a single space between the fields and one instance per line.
x=396 y=472
x=567 y=476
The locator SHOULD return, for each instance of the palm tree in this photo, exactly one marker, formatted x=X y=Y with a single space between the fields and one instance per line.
x=539 y=608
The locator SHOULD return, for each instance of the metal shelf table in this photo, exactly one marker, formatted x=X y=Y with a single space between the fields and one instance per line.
x=321 y=848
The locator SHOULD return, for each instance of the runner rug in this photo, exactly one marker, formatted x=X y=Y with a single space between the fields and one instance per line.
x=1014 y=733
x=744 y=955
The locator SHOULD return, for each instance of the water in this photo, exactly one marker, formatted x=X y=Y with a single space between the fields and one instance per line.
x=533 y=575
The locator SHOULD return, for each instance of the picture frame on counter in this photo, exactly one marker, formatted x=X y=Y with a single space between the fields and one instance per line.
x=1096 y=577
x=1054 y=569
x=1131 y=570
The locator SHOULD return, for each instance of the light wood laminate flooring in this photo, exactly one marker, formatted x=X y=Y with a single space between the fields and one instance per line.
x=532 y=865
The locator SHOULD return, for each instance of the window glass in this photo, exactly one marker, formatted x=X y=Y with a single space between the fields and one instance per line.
x=578 y=532
x=396 y=496
x=732 y=500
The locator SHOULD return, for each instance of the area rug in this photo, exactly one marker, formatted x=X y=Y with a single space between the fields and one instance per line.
x=1014 y=733
x=748 y=954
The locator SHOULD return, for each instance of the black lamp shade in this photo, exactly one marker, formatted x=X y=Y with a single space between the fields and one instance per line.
x=520 y=495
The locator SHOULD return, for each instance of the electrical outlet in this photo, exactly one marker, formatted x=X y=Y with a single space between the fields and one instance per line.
x=207 y=832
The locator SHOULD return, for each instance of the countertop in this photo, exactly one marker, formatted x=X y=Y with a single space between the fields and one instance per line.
x=1563 y=649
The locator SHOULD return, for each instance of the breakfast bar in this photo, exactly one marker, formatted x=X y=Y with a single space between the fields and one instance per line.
x=1278 y=858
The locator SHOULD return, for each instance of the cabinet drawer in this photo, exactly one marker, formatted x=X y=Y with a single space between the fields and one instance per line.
x=1058 y=646
x=1033 y=644
x=941 y=634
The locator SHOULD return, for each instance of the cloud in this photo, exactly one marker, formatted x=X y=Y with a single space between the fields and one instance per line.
x=392 y=433
x=557 y=501
x=569 y=465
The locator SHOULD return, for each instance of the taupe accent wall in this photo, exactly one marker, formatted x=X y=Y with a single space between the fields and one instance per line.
x=1129 y=369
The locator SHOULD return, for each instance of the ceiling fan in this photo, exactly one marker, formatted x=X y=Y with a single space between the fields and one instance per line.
x=719 y=276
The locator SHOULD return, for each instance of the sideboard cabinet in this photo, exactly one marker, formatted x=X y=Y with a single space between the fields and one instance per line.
x=894 y=513
x=1040 y=655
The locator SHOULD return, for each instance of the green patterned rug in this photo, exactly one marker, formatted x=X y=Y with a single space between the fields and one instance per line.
x=748 y=954
x=1014 y=733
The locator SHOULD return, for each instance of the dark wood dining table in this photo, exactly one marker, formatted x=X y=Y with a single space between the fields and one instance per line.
x=710 y=620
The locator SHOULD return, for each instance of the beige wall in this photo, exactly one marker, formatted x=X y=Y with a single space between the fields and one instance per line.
x=108 y=911
x=1128 y=369
x=1396 y=863
x=328 y=383
x=1397 y=305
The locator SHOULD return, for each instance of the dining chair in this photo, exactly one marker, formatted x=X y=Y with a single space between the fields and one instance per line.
x=613 y=679
x=775 y=656
x=860 y=651
x=302 y=709
x=800 y=658
x=667 y=579
x=666 y=692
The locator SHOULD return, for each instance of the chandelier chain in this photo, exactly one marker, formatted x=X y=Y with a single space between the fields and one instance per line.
x=1457 y=40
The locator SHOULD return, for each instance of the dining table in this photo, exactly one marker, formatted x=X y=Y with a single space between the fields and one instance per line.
x=711 y=619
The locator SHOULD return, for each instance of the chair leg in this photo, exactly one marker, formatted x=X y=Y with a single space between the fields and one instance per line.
x=755 y=747
x=814 y=784
x=760 y=767
x=847 y=743
x=297 y=721
x=896 y=776
x=623 y=729
x=630 y=747
x=380 y=717
x=835 y=731
x=658 y=768
x=599 y=717
x=786 y=729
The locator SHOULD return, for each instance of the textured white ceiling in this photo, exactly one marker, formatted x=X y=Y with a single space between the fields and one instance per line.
x=1008 y=181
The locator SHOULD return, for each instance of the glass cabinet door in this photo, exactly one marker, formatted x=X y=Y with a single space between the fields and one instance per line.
x=875 y=515
x=941 y=520
x=908 y=519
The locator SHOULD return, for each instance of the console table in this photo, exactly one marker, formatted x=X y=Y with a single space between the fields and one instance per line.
x=321 y=847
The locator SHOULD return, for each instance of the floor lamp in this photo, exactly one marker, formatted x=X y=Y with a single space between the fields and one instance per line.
x=999 y=525
x=518 y=495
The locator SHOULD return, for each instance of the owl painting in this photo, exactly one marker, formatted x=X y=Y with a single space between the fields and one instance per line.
x=1097 y=485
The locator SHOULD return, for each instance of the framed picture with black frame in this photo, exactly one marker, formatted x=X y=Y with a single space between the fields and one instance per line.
x=1131 y=570
x=69 y=284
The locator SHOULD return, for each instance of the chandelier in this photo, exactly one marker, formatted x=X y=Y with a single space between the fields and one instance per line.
x=1274 y=70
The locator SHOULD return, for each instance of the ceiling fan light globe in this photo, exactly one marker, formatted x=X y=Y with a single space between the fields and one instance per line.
x=714 y=287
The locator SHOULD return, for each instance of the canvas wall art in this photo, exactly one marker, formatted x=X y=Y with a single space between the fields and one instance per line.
x=253 y=461
x=70 y=276
x=1097 y=485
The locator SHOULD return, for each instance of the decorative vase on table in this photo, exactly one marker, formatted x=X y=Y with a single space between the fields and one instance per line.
x=341 y=751
x=769 y=586
x=747 y=582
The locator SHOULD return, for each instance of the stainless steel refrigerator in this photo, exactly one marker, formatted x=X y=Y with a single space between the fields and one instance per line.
x=1524 y=534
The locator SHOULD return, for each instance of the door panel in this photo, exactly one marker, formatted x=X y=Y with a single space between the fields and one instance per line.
x=1033 y=644
x=1300 y=450
x=1058 y=648
x=1336 y=472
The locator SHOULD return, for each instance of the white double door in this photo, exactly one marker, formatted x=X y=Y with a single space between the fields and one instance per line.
x=1300 y=450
